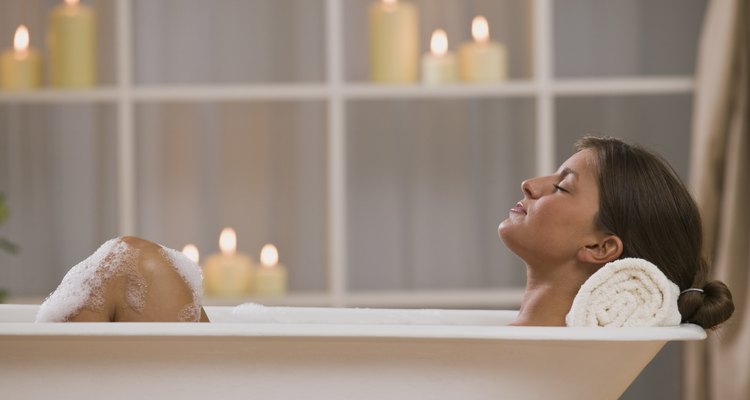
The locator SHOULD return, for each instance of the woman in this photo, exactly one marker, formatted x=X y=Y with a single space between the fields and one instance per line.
x=610 y=200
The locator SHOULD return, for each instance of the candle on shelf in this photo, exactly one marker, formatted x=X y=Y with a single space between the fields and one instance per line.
x=71 y=39
x=439 y=65
x=482 y=60
x=229 y=273
x=21 y=66
x=271 y=276
x=191 y=252
x=394 y=42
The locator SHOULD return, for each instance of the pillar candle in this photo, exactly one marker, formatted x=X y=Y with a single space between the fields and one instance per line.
x=439 y=65
x=482 y=60
x=229 y=273
x=271 y=277
x=21 y=66
x=394 y=42
x=72 y=45
x=191 y=252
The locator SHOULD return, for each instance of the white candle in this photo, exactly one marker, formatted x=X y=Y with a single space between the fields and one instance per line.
x=482 y=60
x=229 y=273
x=71 y=38
x=439 y=65
x=21 y=66
x=271 y=277
x=191 y=252
x=394 y=41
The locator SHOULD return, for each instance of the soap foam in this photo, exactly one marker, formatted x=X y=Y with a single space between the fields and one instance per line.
x=135 y=289
x=190 y=313
x=83 y=286
x=189 y=271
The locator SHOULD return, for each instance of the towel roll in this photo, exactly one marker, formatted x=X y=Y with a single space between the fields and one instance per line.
x=630 y=292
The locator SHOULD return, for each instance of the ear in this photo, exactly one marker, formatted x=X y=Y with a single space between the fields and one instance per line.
x=608 y=248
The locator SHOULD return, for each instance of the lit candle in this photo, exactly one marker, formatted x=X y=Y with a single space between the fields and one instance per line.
x=271 y=276
x=482 y=60
x=72 y=45
x=21 y=66
x=229 y=273
x=191 y=252
x=394 y=42
x=439 y=65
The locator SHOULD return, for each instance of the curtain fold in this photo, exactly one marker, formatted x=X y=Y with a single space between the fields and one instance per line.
x=720 y=179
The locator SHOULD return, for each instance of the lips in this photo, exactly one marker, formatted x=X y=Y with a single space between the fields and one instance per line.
x=519 y=208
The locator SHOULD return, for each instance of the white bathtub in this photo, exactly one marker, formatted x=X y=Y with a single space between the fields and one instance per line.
x=318 y=353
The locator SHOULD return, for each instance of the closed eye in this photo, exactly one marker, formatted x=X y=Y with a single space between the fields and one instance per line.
x=559 y=188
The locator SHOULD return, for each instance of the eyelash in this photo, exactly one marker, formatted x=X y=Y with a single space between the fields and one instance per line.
x=559 y=188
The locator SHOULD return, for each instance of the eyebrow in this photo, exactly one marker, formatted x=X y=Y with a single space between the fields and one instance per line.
x=567 y=171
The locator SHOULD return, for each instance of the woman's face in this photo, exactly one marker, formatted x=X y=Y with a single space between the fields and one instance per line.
x=555 y=218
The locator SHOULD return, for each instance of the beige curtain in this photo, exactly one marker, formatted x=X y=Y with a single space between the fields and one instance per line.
x=720 y=178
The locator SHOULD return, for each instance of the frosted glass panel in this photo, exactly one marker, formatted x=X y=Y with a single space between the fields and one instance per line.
x=509 y=21
x=626 y=37
x=258 y=167
x=228 y=41
x=34 y=14
x=57 y=165
x=660 y=123
x=428 y=183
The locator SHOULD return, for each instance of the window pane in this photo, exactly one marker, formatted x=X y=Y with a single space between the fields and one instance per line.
x=630 y=37
x=222 y=41
x=57 y=169
x=509 y=23
x=428 y=183
x=660 y=123
x=257 y=167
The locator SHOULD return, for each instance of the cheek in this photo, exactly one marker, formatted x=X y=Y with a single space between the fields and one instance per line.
x=563 y=221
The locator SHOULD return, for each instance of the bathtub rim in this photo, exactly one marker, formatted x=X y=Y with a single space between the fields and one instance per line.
x=234 y=329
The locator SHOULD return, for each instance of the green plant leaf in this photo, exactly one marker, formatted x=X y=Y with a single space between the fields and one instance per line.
x=3 y=209
x=8 y=246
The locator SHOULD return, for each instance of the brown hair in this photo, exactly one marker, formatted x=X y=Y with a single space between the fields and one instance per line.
x=643 y=201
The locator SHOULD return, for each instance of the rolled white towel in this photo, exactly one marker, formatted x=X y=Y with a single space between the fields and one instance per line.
x=630 y=292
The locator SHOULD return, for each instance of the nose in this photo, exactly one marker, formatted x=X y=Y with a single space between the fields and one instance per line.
x=531 y=188
x=528 y=189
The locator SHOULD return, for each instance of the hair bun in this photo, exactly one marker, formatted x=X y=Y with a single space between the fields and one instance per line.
x=707 y=309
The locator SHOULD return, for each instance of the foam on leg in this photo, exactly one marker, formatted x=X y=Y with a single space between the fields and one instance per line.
x=192 y=275
x=136 y=288
x=84 y=285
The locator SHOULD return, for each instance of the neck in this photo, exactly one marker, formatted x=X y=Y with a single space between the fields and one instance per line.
x=549 y=294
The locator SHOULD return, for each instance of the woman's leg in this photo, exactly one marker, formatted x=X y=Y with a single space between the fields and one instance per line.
x=144 y=286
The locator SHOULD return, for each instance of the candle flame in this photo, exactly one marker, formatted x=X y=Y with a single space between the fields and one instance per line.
x=480 y=29
x=228 y=241
x=269 y=256
x=439 y=42
x=71 y=2
x=21 y=38
x=191 y=252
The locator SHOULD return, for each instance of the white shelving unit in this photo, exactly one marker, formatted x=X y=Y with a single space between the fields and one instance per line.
x=336 y=92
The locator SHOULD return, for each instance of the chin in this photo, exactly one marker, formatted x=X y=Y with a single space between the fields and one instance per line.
x=504 y=232
x=503 y=228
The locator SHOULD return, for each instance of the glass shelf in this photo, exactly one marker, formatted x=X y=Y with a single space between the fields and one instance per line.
x=354 y=91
